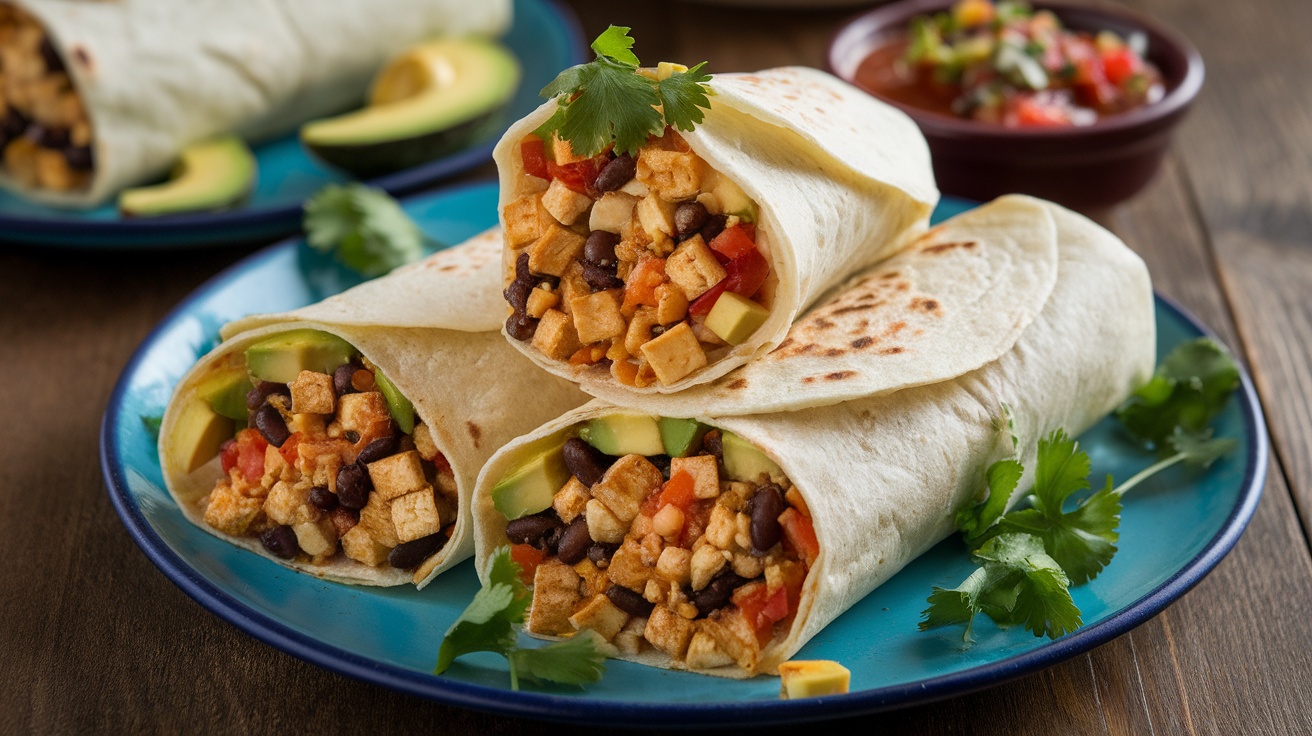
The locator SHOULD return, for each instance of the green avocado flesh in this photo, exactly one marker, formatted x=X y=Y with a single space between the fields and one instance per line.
x=471 y=83
x=211 y=175
x=680 y=435
x=198 y=434
x=744 y=462
x=624 y=434
x=282 y=357
x=734 y=318
x=530 y=487
x=402 y=410
x=225 y=391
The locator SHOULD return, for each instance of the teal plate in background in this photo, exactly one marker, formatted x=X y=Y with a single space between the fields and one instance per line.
x=1176 y=528
x=545 y=37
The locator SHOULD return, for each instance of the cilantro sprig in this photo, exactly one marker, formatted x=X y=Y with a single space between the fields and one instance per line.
x=1029 y=557
x=488 y=625
x=367 y=229
x=608 y=100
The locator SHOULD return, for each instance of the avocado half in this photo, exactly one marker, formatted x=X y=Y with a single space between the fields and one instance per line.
x=433 y=99
x=212 y=174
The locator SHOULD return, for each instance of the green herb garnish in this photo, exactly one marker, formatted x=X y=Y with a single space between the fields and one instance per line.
x=488 y=625
x=1187 y=390
x=607 y=100
x=367 y=229
x=152 y=424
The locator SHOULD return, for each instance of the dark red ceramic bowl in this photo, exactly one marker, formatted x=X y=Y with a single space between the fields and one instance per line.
x=1087 y=168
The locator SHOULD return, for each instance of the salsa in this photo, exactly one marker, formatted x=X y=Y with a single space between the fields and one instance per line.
x=1010 y=65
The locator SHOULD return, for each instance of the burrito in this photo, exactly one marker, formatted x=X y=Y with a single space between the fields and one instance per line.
x=722 y=544
x=343 y=439
x=99 y=96
x=661 y=270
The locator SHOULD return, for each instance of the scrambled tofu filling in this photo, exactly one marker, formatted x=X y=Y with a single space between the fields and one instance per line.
x=45 y=135
x=324 y=470
x=667 y=553
x=624 y=260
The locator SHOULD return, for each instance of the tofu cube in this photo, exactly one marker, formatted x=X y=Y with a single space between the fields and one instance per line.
x=565 y=204
x=522 y=221
x=594 y=581
x=317 y=538
x=734 y=636
x=612 y=211
x=639 y=332
x=415 y=515
x=675 y=354
x=554 y=250
x=572 y=286
x=275 y=467
x=555 y=596
x=626 y=484
x=307 y=423
x=364 y=413
x=626 y=567
x=290 y=504
x=703 y=654
x=540 y=300
x=693 y=267
x=571 y=500
x=424 y=443
x=675 y=565
x=721 y=527
x=397 y=475
x=360 y=545
x=746 y=565
x=705 y=472
x=376 y=516
x=312 y=392
x=597 y=316
x=707 y=561
x=230 y=512
x=656 y=215
x=673 y=174
x=324 y=469
x=669 y=632
x=601 y=616
x=671 y=303
x=555 y=336
x=603 y=525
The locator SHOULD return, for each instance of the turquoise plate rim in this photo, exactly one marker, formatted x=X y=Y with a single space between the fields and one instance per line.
x=580 y=708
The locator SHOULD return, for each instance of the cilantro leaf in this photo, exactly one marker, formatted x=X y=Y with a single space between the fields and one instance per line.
x=683 y=95
x=975 y=521
x=483 y=627
x=616 y=43
x=152 y=424
x=1201 y=449
x=367 y=229
x=576 y=661
x=1189 y=387
x=1060 y=470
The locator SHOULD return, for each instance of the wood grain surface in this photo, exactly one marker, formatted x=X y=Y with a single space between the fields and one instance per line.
x=96 y=640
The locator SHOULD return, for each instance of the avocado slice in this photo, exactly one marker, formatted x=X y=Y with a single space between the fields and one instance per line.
x=530 y=487
x=679 y=435
x=433 y=99
x=742 y=461
x=733 y=200
x=198 y=435
x=624 y=434
x=402 y=410
x=210 y=175
x=282 y=357
x=225 y=391
x=735 y=317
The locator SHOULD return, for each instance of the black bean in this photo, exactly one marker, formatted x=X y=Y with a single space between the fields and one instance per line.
x=53 y=137
x=353 y=486
x=50 y=56
x=517 y=295
x=713 y=443
x=716 y=595
x=600 y=278
x=342 y=379
x=409 y=555
x=714 y=226
x=629 y=602
x=281 y=541
x=271 y=425
x=14 y=123
x=521 y=327
x=616 y=173
x=574 y=543
x=601 y=552
x=764 y=509
x=323 y=498
x=256 y=397
x=689 y=218
x=78 y=157
x=585 y=462
x=377 y=450
x=522 y=273
x=599 y=248
x=550 y=542
x=662 y=463
x=531 y=529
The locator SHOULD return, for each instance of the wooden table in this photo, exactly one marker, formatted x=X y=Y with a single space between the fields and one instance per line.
x=1226 y=230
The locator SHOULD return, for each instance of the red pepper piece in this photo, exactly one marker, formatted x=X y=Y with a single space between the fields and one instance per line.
x=581 y=176
x=528 y=558
x=533 y=153
x=745 y=276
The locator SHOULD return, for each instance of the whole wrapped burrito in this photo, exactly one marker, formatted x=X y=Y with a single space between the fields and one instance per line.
x=722 y=544
x=653 y=272
x=104 y=95
x=343 y=439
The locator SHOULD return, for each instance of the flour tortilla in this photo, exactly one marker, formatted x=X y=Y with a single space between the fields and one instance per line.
x=842 y=181
x=157 y=75
x=883 y=476
x=421 y=326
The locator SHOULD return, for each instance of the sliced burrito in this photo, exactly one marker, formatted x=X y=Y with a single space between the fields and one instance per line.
x=343 y=439
x=722 y=544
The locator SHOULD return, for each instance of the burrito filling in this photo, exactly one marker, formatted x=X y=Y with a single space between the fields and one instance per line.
x=44 y=131
x=651 y=263
x=328 y=457
x=659 y=533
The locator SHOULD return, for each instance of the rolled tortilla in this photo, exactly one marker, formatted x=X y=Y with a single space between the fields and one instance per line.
x=430 y=329
x=840 y=179
x=883 y=476
x=154 y=76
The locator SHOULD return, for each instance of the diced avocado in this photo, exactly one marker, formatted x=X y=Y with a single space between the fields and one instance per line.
x=680 y=435
x=198 y=434
x=742 y=461
x=735 y=317
x=282 y=357
x=226 y=390
x=812 y=679
x=624 y=434
x=530 y=487
x=733 y=200
x=402 y=410
x=434 y=98
x=211 y=175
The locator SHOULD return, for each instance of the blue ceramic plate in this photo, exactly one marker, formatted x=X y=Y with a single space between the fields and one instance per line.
x=545 y=37
x=1175 y=529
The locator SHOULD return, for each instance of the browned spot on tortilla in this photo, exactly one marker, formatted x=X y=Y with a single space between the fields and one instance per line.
x=834 y=352
x=809 y=379
x=81 y=57
x=893 y=350
x=475 y=432
x=448 y=267
x=839 y=375
x=903 y=286
x=926 y=305
x=889 y=275
x=862 y=342
x=823 y=323
x=945 y=247
x=894 y=328
x=737 y=383
x=807 y=348
x=852 y=308
x=784 y=345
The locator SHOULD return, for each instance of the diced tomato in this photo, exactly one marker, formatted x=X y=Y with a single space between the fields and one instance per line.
x=1119 y=64
x=581 y=176
x=228 y=455
x=528 y=558
x=288 y=449
x=762 y=607
x=250 y=454
x=678 y=491
x=695 y=518
x=442 y=464
x=643 y=280
x=1032 y=112
x=651 y=504
x=534 y=155
x=733 y=242
x=744 y=277
x=800 y=534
